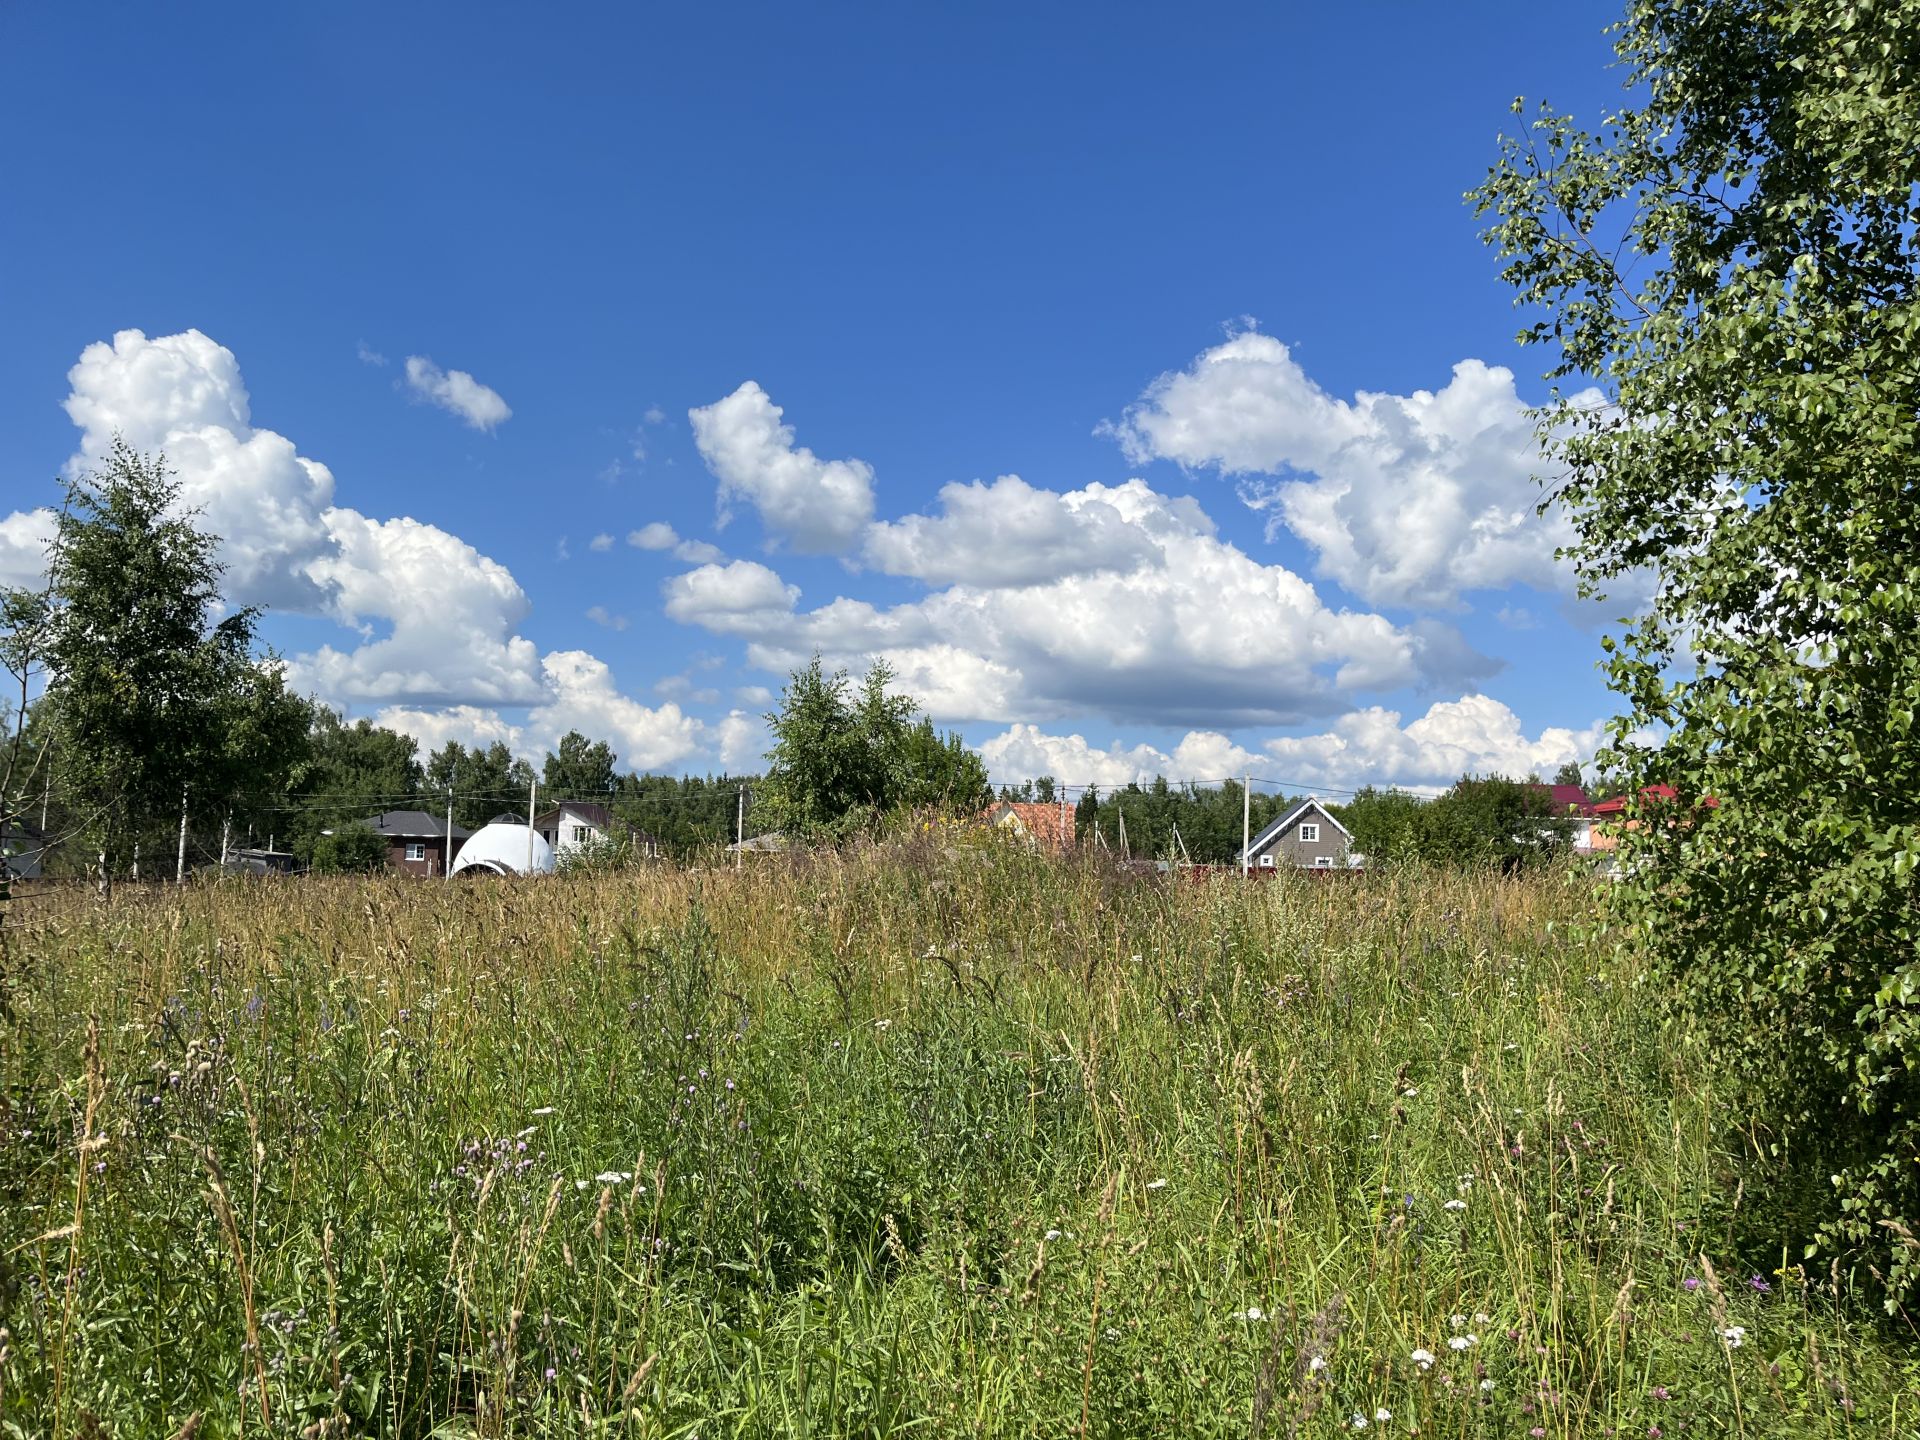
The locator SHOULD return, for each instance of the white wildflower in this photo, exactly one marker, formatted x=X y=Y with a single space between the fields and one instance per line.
x=614 y=1177
x=1410 y=1092
x=1053 y=1235
x=1423 y=1357
x=1734 y=1335
x=1359 y=1421
x=1383 y=1414
x=1458 y=1322
x=1317 y=1364
x=1463 y=1342
x=1159 y=1184
x=1254 y=1312
x=544 y=1110
x=1454 y=1205
x=1486 y=1387
x=1480 y=1317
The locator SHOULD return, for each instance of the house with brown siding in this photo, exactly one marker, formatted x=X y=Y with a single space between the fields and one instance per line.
x=1307 y=837
x=417 y=842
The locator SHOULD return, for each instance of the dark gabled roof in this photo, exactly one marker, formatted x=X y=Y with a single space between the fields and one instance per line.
x=1281 y=825
x=413 y=825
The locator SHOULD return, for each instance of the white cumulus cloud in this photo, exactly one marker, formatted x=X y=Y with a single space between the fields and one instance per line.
x=817 y=506
x=1474 y=735
x=1405 y=499
x=457 y=392
x=577 y=693
x=658 y=535
x=1012 y=533
x=24 y=538
x=1193 y=629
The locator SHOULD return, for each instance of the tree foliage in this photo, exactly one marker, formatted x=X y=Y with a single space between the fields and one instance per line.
x=581 y=769
x=155 y=707
x=844 y=756
x=1735 y=260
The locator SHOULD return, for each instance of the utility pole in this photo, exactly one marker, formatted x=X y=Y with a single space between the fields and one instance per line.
x=446 y=854
x=533 y=798
x=180 y=866
x=1246 y=826
x=1125 y=854
x=740 y=831
x=226 y=833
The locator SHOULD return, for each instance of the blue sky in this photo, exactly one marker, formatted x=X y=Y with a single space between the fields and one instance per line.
x=945 y=248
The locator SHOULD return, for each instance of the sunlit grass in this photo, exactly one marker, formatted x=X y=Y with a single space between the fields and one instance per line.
x=928 y=1139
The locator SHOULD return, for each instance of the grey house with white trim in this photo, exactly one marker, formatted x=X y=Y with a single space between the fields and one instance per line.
x=1307 y=837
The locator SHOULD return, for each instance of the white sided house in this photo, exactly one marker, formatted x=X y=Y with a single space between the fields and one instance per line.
x=584 y=825
x=1307 y=837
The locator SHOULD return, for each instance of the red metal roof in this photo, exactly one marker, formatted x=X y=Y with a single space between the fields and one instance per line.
x=1049 y=824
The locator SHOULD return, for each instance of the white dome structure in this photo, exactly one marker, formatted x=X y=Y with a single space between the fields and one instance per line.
x=500 y=848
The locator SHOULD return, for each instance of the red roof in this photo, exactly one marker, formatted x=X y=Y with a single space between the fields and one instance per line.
x=1647 y=792
x=1049 y=824
x=1565 y=799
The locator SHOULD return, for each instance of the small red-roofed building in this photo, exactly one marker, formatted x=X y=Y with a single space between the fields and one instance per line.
x=1045 y=824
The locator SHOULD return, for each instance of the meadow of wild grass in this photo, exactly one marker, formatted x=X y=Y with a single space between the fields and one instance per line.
x=920 y=1139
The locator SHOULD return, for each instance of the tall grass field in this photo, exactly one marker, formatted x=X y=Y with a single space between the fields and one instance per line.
x=924 y=1139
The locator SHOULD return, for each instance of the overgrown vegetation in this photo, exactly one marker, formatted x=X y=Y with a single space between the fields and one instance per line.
x=939 y=1138
x=1734 y=259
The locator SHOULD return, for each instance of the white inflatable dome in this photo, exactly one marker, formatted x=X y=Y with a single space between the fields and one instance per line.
x=501 y=849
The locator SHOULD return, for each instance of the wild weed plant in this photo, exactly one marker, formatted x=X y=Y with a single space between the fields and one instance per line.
x=926 y=1138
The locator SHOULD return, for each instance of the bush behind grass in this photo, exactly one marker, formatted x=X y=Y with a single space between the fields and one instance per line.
x=926 y=1138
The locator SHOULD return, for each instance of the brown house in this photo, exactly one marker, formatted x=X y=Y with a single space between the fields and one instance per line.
x=416 y=841
x=1307 y=837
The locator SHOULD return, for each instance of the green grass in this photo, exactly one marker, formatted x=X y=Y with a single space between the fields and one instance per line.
x=931 y=1139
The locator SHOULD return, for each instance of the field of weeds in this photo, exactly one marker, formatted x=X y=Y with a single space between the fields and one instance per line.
x=912 y=1141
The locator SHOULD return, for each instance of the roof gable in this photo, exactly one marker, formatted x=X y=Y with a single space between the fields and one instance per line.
x=1280 y=826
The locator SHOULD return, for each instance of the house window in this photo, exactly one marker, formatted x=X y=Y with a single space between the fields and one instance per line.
x=416 y=850
x=1323 y=862
x=581 y=834
x=1310 y=834
x=1266 y=862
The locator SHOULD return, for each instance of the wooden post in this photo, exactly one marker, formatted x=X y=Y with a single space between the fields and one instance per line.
x=1246 y=827
x=180 y=866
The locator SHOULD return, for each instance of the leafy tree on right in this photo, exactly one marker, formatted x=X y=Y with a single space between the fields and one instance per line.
x=1734 y=261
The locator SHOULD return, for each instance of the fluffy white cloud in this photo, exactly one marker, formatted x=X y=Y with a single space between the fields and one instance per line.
x=436 y=617
x=1025 y=752
x=741 y=741
x=473 y=726
x=577 y=693
x=658 y=535
x=182 y=394
x=24 y=537
x=449 y=611
x=818 y=506
x=600 y=544
x=1194 y=631
x=1406 y=499
x=1010 y=533
x=583 y=697
x=1473 y=735
x=600 y=615
x=480 y=406
x=732 y=598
